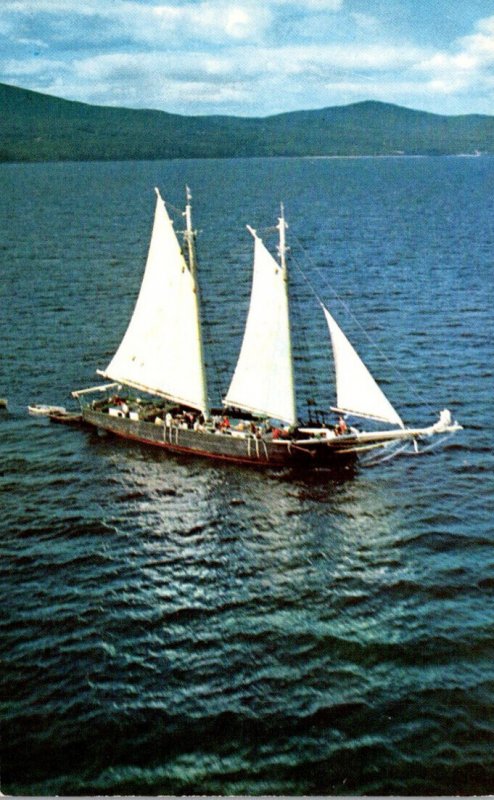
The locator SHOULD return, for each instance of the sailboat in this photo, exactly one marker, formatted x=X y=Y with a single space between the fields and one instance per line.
x=157 y=392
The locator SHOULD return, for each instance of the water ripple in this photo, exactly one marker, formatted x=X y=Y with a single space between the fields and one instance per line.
x=173 y=626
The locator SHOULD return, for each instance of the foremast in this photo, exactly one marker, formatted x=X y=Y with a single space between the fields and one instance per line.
x=162 y=351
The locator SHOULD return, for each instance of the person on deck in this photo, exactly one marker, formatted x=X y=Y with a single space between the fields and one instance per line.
x=341 y=427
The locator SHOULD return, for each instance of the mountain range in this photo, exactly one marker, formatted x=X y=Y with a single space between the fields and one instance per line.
x=40 y=127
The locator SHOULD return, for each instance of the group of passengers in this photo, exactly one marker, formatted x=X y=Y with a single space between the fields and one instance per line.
x=195 y=420
x=222 y=424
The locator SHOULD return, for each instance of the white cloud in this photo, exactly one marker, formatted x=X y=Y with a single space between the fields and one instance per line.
x=366 y=22
x=465 y=69
x=171 y=81
x=446 y=63
x=20 y=9
x=319 y=5
x=38 y=66
x=209 y=21
x=170 y=24
x=307 y=6
x=238 y=23
x=480 y=45
x=299 y=59
x=249 y=62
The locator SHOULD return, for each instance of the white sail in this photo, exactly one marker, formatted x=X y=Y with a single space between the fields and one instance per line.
x=263 y=380
x=356 y=390
x=161 y=351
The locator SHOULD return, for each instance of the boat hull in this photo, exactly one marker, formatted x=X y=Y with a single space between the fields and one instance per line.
x=40 y=410
x=221 y=446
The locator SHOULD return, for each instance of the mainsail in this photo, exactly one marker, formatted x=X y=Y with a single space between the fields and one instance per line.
x=161 y=351
x=263 y=382
x=357 y=392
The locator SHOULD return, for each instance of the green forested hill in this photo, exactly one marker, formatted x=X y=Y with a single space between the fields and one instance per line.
x=38 y=127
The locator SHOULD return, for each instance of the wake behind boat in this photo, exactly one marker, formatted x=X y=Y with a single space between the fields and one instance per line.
x=158 y=392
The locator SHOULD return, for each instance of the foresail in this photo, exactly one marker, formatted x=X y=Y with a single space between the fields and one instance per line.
x=263 y=380
x=357 y=392
x=161 y=351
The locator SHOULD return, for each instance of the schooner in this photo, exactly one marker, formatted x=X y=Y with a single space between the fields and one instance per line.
x=157 y=392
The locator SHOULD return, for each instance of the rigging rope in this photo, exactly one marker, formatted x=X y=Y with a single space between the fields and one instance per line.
x=325 y=281
x=375 y=461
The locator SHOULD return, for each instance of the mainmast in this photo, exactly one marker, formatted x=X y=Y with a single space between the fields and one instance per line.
x=263 y=379
x=282 y=248
x=190 y=233
x=282 y=251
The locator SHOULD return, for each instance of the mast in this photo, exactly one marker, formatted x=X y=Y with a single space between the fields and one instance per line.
x=282 y=248
x=282 y=251
x=190 y=234
x=263 y=382
x=161 y=351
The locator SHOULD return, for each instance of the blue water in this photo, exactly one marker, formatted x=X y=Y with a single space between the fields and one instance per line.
x=175 y=626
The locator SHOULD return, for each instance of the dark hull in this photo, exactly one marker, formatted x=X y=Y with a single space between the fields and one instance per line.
x=225 y=447
x=66 y=418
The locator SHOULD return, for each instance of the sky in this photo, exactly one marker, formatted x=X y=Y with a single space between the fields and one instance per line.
x=253 y=57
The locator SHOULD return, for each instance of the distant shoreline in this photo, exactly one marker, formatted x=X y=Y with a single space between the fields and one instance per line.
x=405 y=157
x=37 y=127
